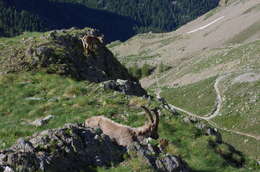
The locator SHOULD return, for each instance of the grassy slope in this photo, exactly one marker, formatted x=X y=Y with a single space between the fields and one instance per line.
x=74 y=101
x=27 y=96
x=236 y=55
x=198 y=98
x=239 y=112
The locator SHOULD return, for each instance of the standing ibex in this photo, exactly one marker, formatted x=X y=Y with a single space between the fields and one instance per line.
x=125 y=135
x=90 y=42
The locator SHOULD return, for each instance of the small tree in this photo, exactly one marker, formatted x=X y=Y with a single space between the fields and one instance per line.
x=146 y=70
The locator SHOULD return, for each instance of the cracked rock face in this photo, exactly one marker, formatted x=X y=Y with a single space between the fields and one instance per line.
x=77 y=148
x=72 y=148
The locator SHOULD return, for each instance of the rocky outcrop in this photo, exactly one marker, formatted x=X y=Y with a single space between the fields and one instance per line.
x=72 y=148
x=62 y=52
x=157 y=159
x=125 y=86
x=41 y=121
x=76 y=148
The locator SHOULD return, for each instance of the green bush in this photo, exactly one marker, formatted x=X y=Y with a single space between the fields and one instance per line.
x=141 y=72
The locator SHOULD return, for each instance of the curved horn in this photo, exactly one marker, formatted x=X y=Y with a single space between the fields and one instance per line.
x=155 y=111
x=149 y=114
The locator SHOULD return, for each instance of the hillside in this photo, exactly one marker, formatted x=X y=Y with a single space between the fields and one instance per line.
x=214 y=72
x=40 y=78
x=119 y=20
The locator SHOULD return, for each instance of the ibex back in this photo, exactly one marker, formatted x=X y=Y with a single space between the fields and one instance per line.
x=123 y=134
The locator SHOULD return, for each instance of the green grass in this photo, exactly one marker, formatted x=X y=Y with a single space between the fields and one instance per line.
x=74 y=101
x=240 y=110
x=189 y=143
x=66 y=99
x=248 y=146
x=26 y=96
x=198 y=98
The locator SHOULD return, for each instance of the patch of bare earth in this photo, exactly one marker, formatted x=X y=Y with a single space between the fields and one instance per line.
x=209 y=33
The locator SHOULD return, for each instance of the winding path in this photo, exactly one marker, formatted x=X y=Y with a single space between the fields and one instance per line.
x=215 y=112
x=219 y=99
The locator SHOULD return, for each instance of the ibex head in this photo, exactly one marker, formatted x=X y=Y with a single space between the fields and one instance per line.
x=152 y=127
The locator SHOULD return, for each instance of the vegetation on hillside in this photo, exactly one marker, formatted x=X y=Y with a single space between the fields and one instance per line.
x=119 y=19
x=193 y=97
x=30 y=95
x=239 y=110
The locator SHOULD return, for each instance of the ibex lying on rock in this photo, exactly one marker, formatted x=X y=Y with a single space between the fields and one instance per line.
x=125 y=135
x=90 y=42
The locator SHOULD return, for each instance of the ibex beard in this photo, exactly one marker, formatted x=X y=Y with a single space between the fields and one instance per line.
x=125 y=135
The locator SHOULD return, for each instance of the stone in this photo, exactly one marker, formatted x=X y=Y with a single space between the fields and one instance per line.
x=125 y=86
x=42 y=121
x=8 y=169
x=214 y=132
x=71 y=148
x=190 y=119
x=157 y=159
x=200 y=126
x=75 y=147
x=62 y=53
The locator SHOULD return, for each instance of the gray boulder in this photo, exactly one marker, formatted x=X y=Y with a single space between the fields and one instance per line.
x=72 y=148
x=157 y=159
x=41 y=121
x=125 y=86
x=75 y=148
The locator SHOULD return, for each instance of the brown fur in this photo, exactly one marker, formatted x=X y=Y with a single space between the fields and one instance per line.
x=123 y=134
x=91 y=42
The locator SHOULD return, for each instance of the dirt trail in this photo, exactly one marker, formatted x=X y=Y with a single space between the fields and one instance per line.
x=205 y=26
x=215 y=112
x=219 y=99
x=212 y=123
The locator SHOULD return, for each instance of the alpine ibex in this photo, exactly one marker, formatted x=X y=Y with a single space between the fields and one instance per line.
x=125 y=135
x=90 y=42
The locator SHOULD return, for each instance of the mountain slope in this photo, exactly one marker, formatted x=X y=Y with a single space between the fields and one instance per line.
x=19 y=16
x=119 y=20
x=180 y=46
x=225 y=41
x=36 y=91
